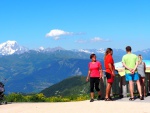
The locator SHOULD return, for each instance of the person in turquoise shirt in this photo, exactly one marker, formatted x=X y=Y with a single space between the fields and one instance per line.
x=130 y=62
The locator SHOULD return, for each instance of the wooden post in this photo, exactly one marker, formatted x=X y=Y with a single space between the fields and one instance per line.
x=148 y=83
x=102 y=87
x=120 y=87
x=124 y=86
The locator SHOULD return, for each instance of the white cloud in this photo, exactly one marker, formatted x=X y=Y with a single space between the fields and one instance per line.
x=57 y=33
x=98 y=39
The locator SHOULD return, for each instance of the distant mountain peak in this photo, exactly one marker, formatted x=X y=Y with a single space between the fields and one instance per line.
x=8 y=43
x=85 y=51
x=41 y=48
x=101 y=50
x=11 y=42
x=90 y=51
x=11 y=47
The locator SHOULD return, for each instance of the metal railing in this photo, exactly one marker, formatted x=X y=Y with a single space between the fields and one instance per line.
x=120 y=86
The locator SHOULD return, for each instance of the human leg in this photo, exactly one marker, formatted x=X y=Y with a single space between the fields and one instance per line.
x=139 y=87
x=131 y=87
x=110 y=79
x=108 y=90
x=97 y=82
x=143 y=89
x=137 y=79
x=92 y=89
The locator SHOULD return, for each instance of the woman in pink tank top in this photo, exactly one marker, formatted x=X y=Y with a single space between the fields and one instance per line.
x=95 y=74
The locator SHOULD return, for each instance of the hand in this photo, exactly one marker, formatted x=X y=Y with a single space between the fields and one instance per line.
x=100 y=77
x=87 y=79
x=113 y=73
x=133 y=71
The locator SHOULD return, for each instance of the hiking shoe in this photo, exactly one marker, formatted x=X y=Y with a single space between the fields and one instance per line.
x=107 y=99
x=99 y=97
x=111 y=98
x=131 y=99
x=141 y=98
x=92 y=100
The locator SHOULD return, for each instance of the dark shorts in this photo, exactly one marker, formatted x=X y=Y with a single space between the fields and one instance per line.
x=94 y=83
x=110 y=78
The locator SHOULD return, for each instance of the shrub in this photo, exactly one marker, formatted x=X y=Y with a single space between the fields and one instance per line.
x=37 y=98
x=16 y=97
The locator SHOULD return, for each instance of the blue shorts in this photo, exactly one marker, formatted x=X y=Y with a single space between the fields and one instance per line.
x=132 y=77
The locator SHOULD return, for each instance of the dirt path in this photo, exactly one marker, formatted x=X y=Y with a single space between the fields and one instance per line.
x=78 y=107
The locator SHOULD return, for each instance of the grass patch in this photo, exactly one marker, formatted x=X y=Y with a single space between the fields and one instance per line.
x=17 y=97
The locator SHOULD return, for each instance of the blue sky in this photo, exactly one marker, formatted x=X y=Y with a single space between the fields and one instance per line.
x=76 y=24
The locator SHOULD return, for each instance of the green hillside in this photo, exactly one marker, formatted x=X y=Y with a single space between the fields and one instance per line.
x=72 y=86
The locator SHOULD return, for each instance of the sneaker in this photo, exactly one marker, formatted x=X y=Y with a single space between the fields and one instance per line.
x=141 y=98
x=99 y=97
x=107 y=99
x=92 y=100
x=111 y=98
x=131 y=99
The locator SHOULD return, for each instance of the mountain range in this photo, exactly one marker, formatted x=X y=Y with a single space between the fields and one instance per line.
x=12 y=47
x=28 y=71
x=33 y=71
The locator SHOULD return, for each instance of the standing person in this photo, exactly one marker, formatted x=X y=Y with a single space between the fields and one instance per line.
x=141 y=71
x=130 y=62
x=95 y=74
x=110 y=72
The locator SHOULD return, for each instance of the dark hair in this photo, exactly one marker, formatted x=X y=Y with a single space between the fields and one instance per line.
x=108 y=50
x=92 y=55
x=128 y=49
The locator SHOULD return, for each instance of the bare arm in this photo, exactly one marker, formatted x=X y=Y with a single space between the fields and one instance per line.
x=126 y=66
x=101 y=72
x=88 y=76
x=111 y=69
x=89 y=73
x=135 y=67
x=133 y=70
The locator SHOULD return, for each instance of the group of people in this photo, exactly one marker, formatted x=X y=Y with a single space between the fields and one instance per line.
x=134 y=72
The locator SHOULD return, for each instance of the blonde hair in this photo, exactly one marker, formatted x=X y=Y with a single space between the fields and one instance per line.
x=140 y=59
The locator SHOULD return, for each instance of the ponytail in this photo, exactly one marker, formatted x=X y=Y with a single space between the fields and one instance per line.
x=108 y=50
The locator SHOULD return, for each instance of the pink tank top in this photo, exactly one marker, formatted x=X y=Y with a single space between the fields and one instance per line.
x=94 y=69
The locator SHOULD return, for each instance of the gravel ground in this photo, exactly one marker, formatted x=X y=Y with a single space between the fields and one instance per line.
x=118 y=106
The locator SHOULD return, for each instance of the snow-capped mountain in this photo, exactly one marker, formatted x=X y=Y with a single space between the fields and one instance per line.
x=145 y=51
x=11 y=47
x=42 y=49
x=99 y=51
x=90 y=51
x=85 y=51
